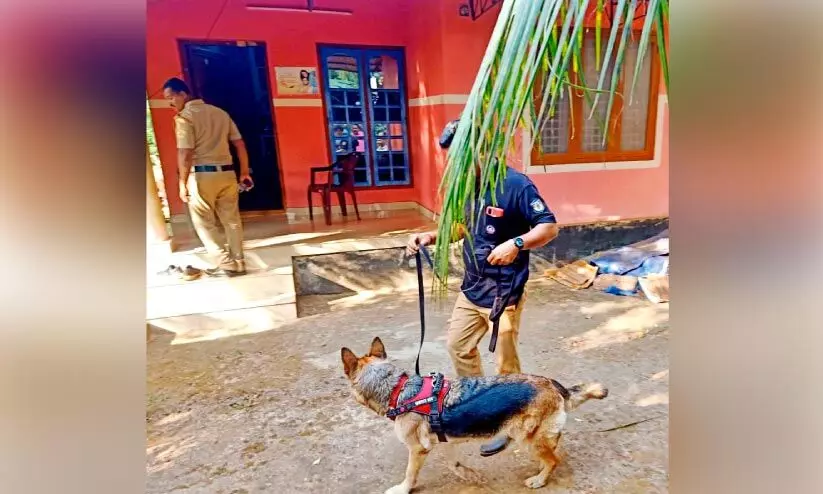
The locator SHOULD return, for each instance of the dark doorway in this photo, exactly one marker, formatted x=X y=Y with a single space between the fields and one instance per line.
x=234 y=77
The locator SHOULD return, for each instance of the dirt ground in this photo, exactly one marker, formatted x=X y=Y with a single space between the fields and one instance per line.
x=271 y=412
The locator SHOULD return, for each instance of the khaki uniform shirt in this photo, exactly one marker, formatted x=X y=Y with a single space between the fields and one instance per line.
x=207 y=130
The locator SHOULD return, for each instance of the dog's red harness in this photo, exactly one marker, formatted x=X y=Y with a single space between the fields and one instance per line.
x=428 y=401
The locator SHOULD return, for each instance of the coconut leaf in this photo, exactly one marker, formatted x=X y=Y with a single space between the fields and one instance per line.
x=616 y=20
x=662 y=50
x=618 y=62
x=530 y=61
x=651 y=15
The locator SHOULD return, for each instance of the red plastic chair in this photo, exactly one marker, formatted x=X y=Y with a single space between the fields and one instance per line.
x=343 y=169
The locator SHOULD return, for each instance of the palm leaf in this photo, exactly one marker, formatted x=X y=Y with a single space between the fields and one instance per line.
x=618 y=16
x=651 y=15
x=618 y=62
x=534 y=49
x=661 y=18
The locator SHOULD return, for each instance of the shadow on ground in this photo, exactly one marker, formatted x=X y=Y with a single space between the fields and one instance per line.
x=271 y=411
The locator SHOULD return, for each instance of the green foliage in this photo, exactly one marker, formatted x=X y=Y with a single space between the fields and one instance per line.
x=530 y=51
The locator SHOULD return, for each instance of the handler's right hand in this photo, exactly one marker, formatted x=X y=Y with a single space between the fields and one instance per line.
x=416 y=240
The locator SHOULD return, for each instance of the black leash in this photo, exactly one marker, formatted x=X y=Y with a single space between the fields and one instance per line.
x=497 y=310
x=421 y=300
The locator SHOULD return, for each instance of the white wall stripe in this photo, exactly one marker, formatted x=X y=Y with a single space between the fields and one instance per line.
x=278 y=102
x=440 y=99
x=297 y=103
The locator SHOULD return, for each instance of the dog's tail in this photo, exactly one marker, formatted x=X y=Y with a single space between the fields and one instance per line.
x=582 y=393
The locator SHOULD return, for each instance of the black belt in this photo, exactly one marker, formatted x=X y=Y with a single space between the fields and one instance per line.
x=213 y=168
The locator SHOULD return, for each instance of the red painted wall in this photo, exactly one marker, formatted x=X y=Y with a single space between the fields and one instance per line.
x=291 y=40
x=443 y=52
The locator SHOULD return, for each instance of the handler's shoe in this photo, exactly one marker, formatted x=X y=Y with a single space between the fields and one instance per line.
x=494 y=446
x=234 y=268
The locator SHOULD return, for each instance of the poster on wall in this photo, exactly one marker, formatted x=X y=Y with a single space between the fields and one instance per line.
x=296 y=80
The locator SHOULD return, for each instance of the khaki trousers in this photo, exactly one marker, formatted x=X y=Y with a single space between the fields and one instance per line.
x=467 y=326
x=215 y=213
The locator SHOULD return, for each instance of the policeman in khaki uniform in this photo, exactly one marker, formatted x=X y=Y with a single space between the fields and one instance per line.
x=207 y=179
x=498 y=261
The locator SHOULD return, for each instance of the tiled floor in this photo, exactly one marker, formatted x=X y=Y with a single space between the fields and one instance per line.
x=265 y=296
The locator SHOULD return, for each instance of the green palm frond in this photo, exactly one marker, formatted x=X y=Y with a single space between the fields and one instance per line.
x=533 y=56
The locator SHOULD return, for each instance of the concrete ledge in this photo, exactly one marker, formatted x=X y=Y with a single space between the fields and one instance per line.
x=380 y=269
x=298 y=214
x=213 y=325
x=200 y=297
x=576 y=241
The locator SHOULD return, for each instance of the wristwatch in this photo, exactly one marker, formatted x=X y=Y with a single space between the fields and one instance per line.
x=518 y=242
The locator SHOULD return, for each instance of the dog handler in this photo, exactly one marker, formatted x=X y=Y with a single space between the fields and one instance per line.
x=498 y=260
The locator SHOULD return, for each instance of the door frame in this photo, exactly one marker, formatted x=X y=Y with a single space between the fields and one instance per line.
x=321 y=84
x=184 y=66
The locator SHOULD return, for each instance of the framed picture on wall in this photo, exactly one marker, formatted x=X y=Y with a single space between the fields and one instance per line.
x=295 y=81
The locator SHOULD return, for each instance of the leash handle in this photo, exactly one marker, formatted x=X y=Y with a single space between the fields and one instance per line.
x=501 y=302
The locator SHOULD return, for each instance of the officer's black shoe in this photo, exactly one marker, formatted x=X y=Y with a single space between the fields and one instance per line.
x=494 y=446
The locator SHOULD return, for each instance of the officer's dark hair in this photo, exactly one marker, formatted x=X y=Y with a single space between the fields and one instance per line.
x=177 y=85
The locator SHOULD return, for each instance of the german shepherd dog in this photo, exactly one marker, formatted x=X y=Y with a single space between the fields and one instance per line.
x=529 y=409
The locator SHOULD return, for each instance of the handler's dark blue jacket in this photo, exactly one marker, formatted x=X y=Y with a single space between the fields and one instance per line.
x=523 y=208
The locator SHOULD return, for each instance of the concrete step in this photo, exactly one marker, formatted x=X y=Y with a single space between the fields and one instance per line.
x=219 y=294
x=222 y=324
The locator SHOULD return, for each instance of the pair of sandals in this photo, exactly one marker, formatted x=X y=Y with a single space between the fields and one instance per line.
x=188 y=273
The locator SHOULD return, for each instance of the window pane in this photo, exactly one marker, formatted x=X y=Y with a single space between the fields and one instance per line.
x=554 y=137
x=359 y=145
x=337 y=98
x=341 y=146
x=593 y=127
x=380 y=114
x=394 y=98
x=382 y=161
x=636 y=110
x=382 y=145
x=397 y=145
x=384 y=72
x=342 y=72
x=378 y=98
x=355 y=115
x=395 y=114
x=384 y=174
x=341 y=130
x=380 y=130
x=338 y=114
x=361 y=177
x=399 y=174
x=396 y=129
x=353 y=98
x=398 y=159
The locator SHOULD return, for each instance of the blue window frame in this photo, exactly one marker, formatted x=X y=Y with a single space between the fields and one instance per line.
x=365 y=99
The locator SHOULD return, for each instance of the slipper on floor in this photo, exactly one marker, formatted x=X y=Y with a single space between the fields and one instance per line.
x=190 y=273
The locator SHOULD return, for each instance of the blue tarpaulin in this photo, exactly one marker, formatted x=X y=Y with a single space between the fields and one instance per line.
x=650 y=256
x=623 y=260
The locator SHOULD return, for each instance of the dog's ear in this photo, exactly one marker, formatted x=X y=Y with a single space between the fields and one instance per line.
x=377 y=349
x=349 y=361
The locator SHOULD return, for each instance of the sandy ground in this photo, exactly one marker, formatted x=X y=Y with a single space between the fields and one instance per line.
x=271 y=412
